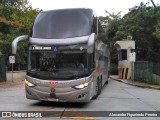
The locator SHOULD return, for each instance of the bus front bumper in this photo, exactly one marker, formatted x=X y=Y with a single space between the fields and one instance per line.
x=81 y=95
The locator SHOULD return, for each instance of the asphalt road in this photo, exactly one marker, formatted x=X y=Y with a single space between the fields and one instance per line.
x=115 y=96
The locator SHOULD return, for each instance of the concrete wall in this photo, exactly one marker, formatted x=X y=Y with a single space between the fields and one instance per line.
x=124 y=64
x=125 y=44
x=16 y=75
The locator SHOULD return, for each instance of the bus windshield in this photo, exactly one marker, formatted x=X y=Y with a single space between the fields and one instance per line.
x=57 y=62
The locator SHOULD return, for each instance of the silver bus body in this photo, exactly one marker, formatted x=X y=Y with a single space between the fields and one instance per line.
x=52 y=73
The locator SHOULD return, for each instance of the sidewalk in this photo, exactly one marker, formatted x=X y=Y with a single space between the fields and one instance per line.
x=18 y=79
x=130 y=82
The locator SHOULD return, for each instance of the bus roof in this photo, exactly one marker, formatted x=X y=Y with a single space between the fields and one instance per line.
x=63 y=23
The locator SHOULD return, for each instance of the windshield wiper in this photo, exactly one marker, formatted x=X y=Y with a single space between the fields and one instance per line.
x=73 y=75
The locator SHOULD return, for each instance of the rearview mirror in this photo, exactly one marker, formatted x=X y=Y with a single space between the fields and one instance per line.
x=15 y=42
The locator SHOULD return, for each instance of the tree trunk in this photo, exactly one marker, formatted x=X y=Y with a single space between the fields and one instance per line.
x=153 y=3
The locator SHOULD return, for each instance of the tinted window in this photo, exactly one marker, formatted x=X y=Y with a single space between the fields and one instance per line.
x=59 y=24
x=123 y=54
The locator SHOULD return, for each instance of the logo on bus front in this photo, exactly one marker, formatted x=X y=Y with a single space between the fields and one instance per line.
x=53 y=83
x=55 y=48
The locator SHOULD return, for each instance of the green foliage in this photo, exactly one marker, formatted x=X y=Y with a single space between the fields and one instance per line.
x=143 y=23
x=16 y=18
x=157 y=32
x=147 y=72
x=110 y=24
x=10 y=2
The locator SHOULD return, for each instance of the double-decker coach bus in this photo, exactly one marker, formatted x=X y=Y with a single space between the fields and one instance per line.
x=67 y=60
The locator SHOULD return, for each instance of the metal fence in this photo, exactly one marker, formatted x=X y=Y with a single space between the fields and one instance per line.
x=147 y=72
x=2 y=69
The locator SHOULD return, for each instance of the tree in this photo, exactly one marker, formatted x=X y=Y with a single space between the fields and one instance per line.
x=157 y=32
x=142 y=24
x=16 y=19
x=153 y=3
x=110 y=24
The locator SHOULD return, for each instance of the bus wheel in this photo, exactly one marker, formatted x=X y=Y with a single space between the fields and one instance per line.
x=98 y=89
x=106 y=82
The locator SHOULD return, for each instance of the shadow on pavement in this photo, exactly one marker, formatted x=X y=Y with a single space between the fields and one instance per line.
x=59 y=104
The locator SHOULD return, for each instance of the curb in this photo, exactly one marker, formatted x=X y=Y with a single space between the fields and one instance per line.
x=139 y=84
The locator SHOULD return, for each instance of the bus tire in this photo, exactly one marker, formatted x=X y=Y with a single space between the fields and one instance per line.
x=98 y=89
x=106 y=82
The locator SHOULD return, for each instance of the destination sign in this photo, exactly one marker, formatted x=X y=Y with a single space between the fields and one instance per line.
x=40 y=48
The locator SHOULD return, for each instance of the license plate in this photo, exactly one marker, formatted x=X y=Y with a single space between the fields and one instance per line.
x=53 y=99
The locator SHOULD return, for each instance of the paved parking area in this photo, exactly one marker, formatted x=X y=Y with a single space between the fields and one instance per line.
x=115 y=96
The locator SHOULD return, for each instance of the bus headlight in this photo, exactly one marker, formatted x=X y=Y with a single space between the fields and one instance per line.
x=29 y=83
x=81 y=86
